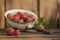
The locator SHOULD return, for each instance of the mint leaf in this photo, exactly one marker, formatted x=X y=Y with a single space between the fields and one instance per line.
x=41 y=20
x=36 y=25
x=47 y=26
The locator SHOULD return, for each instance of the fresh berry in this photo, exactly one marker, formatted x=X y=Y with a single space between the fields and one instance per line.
x=21 y=14
x=28 y=19
x=33 y=18
x=17 y=32
x=41 y=27
x=10 y=16
x=18 y=13
x=16 y=18
x=25 y=16
x=10 y=31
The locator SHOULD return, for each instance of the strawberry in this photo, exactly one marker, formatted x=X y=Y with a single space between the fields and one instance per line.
x=10 y=16
x=25 y=16
x=17 y=32
x=33 y=18
x=16 y=18
x=21 y=14
x=28 y=19
x=10 y=31
x=41 y=27
x=18 y=13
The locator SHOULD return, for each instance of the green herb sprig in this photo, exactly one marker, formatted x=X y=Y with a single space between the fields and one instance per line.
x=41 y=21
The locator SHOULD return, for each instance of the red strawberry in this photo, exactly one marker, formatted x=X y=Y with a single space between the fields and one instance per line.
x=28 y=19
x=41 y=27
x=25 y=16
x=21 y=14
x=17 y=32
x=10 y=31
x=10 y=16
x=18 y=13
x=33 y=18
x=16 y=18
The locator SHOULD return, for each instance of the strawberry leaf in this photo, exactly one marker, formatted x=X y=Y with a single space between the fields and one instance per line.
x=41 y=20
x=47 y=26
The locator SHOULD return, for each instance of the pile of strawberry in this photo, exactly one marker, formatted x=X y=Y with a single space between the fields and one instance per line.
x=11 y=32
x=16 y=32
x=21 y=17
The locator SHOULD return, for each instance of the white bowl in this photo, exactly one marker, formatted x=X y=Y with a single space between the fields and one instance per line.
x=18 y=25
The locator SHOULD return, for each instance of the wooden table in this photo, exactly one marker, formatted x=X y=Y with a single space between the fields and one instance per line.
x=31 y=35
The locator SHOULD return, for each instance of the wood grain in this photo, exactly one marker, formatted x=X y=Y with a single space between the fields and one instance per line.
x=26 y=39
x=2 y=9
x=59 y=13
x=48 y=9
x=32 y=36
x=22 y=4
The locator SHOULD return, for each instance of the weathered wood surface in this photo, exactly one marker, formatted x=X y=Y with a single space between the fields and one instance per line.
x=2 y=10
x=59 y=13
x=30 y=39
x=21 y=4
x=48 y=9
x=32 y=36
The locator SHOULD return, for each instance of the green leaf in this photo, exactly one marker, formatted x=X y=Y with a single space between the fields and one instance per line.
x=47 y=26
x=41 y=20
x=36 y=24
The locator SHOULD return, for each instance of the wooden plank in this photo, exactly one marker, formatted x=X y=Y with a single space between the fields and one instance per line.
x=2 y=9
x=59 y=13
x=48 y=9
x=29 y=39
x=33 y=34
x=22 y=4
